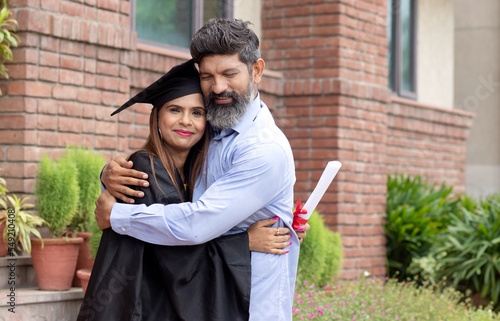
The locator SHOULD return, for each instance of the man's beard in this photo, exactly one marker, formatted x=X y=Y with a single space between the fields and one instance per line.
x=227 y=115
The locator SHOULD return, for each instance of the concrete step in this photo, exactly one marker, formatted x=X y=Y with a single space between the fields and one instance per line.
x=34 y=304
x=17 y=271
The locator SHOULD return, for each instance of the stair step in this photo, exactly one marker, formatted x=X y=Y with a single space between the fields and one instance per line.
x=34 y=304
x=23 y=269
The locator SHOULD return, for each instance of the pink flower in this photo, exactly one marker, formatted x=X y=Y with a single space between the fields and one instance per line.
x=363 y=311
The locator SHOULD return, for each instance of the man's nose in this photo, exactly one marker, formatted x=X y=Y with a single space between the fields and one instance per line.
x=219 y=86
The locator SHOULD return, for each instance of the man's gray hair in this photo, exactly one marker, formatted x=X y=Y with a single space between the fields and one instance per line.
x=223 y=36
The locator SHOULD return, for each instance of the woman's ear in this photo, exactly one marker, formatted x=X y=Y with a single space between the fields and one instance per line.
x=258 y=70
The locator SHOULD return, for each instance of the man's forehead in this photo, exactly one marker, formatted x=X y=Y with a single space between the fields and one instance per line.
x=220 y=63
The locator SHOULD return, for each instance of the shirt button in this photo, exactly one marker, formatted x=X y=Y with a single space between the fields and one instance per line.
x=123 y=229
x=215 y=143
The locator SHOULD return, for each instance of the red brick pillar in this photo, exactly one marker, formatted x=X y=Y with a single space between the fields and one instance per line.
x=68 y=74
x=334 y=59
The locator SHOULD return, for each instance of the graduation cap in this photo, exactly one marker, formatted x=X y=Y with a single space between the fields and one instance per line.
x=181 y=80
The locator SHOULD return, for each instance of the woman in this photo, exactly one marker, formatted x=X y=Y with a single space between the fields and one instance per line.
x=134 y=280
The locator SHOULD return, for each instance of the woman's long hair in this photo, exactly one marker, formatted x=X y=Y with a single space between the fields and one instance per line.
x=195 y=162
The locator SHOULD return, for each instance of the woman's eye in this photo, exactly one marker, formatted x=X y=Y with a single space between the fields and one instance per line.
x=174 y=110
x=198 y=113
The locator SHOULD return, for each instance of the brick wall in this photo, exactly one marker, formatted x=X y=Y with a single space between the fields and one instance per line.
x=67 y=75
x=428 y=141
x=333 y=56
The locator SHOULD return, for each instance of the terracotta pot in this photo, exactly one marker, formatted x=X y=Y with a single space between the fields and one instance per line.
x=55 y=263
x=84 y=276
x=84 y=261
x=4 y=249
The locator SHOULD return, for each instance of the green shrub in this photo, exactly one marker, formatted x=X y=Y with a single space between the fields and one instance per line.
x=89 y=165
x=417 y=213
x=471 y=249
x=57 y=192
x=95 y=238
x=320 y=253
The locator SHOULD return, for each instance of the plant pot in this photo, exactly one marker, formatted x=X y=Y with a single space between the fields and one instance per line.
x=55 y=263
x=4 y=249
x=83 y=276
x=84 y=260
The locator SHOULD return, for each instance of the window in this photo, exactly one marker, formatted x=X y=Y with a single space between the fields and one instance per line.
x=171 y=23
x=401 y=25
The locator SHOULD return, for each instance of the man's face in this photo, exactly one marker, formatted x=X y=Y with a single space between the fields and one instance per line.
x=228 y=88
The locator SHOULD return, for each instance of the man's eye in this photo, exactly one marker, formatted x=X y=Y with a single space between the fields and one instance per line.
x=230 y=75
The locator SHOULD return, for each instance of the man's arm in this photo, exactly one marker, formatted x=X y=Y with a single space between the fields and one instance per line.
x=118 y=175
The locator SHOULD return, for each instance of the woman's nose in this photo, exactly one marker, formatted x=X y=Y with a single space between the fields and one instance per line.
x=185 y=119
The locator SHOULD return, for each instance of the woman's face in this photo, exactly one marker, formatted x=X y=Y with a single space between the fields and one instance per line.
x=182 y=122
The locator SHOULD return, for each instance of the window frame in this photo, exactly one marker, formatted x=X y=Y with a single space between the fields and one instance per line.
x=396 y=50
x=197 y=23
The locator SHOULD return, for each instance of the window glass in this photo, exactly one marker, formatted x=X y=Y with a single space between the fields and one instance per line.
x=401 y=41
x=391 y=44
x=172 y=22
x=165 y=21
x=213 y=9
x=406 y=46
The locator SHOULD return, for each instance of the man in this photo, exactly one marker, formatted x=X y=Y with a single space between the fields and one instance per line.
x=249 y=175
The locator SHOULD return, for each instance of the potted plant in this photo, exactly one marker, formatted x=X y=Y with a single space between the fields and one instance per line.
x=20 y=222
x=94 y=241
x=3 y=214
x=57 y=193
x=89 y=165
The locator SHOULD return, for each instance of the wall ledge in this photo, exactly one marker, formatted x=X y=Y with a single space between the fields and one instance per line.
x=405 y=101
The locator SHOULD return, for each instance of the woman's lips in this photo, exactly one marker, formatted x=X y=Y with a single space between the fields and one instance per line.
x=183 y=133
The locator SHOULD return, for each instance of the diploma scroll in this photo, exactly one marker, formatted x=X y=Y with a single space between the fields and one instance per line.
x=331 y=169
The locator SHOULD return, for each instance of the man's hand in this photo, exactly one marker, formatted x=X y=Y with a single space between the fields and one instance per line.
x=102 y=211
x=301 y=232
x=118 y=174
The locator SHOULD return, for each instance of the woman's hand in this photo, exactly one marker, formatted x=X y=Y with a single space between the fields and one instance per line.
x=118 y=174
x=267 y=239
x=301 y=232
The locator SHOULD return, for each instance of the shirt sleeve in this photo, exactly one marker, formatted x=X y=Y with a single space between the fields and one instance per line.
x=254 y=179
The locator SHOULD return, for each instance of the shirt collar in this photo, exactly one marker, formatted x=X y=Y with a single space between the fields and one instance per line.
x=244 y=121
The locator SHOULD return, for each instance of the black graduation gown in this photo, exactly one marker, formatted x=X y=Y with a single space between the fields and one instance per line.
x=135 y=280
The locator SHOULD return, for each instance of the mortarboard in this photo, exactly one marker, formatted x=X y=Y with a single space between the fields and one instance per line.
x=181 y=80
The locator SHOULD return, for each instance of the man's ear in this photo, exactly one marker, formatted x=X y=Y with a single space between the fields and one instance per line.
x=258 y=70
